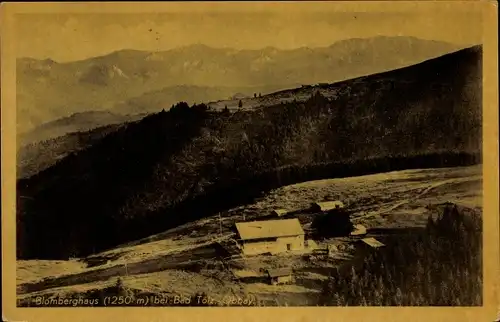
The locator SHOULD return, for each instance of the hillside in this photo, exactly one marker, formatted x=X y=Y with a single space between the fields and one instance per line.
x=48 y=90
x=185 y=261
x=38 y=156
x=78 y=122
x=135 y=108
x=174 y=167
x=155 y=101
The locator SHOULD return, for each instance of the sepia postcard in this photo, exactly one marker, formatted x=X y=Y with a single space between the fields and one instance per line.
x=250 y=161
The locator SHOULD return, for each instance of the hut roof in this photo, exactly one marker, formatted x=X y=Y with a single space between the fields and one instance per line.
x=358 y=230
x=279 y=272
x=329 y=205
x=279 y=212
x=269 y=228
x=370 y=241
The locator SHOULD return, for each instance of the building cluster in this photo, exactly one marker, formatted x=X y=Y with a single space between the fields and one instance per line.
x=281 y=234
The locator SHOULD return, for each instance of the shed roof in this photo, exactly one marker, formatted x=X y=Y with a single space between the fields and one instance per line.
x=279 y=212
x=372 y=242
x=328 y=205
x=279 y=272
x=269 y=228
x=358 y=230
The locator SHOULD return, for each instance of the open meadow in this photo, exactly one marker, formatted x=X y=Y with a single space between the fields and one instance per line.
x=186 y=264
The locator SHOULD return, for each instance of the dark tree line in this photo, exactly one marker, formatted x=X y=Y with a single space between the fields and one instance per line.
x=439 y=266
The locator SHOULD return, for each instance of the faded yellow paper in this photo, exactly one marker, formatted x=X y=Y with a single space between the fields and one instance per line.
x=76 y=31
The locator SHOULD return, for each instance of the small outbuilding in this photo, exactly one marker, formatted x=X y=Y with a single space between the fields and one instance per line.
x=358 y=230
x=327 y=206
x=280 y=276
x=372 y=242
x=279 y=212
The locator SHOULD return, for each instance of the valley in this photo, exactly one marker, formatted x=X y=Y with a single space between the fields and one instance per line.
x=176 y=166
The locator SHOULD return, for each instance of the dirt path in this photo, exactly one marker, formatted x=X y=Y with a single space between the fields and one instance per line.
x=422 y=193
x=449 y=181
x=169 y=261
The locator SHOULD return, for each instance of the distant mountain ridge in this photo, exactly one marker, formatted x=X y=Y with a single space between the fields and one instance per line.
x=48 y=90
x=77 y=122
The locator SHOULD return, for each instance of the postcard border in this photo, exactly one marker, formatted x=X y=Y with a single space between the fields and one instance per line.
x=491 y=257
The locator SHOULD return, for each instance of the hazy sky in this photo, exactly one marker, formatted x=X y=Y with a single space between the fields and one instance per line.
x=67 y=37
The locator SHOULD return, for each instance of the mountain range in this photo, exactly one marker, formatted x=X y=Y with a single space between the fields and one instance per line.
x=188 y=162
x=133 y=81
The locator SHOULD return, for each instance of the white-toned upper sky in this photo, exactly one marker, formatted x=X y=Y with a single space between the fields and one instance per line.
x=68 y=37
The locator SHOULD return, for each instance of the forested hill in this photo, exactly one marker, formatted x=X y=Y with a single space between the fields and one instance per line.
x=175 y=166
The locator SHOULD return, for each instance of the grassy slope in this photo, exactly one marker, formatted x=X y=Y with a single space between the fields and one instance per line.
x=154 y=101
x=162 y=264
x=150 y=175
